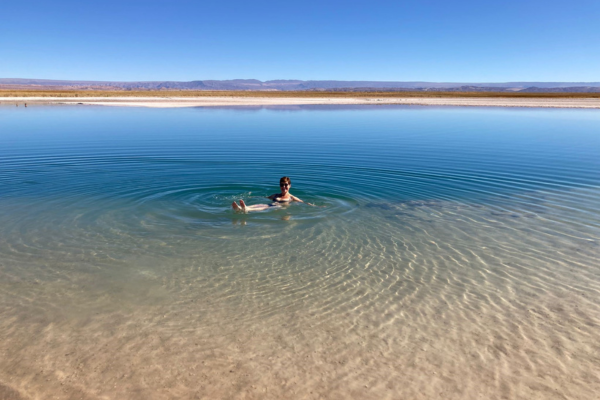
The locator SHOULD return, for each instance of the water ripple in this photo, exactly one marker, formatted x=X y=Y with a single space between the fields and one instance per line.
x=435 y=248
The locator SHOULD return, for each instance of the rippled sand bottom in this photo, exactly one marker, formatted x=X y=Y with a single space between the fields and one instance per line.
x=407 y=300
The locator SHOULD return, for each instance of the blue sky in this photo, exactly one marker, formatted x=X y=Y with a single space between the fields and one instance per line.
x=450 y=41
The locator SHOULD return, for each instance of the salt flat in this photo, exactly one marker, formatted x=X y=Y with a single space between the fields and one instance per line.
x=171 y=102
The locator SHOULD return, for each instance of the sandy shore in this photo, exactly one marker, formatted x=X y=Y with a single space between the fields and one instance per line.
x=171 y=102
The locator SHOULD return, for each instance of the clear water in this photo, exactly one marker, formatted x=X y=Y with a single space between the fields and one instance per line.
x=455 y=253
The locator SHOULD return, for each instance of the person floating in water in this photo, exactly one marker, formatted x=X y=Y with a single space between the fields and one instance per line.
x=279 y=199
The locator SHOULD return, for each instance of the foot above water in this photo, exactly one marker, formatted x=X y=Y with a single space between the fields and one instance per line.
x=237 y=208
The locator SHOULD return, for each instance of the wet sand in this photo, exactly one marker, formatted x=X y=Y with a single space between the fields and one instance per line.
x=171 y=102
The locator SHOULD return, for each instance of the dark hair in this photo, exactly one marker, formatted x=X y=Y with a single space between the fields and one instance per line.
x=285 y=179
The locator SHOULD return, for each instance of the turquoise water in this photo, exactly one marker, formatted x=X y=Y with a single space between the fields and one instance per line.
x=448 y=239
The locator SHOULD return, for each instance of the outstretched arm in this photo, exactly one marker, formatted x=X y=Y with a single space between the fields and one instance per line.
x=300 y=201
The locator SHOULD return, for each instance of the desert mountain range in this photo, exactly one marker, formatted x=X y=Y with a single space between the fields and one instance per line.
x=287 y=85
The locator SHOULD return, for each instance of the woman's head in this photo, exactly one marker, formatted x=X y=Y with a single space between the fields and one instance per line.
x=285 y=183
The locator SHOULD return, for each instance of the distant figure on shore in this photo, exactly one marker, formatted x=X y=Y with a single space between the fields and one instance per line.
x=25 y=104
x=279 y=199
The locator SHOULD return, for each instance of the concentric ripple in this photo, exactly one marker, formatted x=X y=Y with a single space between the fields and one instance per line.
x=452 y=253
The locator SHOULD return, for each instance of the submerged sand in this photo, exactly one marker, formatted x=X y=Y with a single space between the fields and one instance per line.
x=171 y=102
x=418 y=313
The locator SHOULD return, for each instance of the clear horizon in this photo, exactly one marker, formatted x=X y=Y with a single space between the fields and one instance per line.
x=433 y=41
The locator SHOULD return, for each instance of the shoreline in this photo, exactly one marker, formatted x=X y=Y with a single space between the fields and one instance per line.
x=234 y=101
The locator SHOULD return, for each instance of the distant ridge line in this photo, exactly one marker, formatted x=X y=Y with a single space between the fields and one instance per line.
x=296 y=85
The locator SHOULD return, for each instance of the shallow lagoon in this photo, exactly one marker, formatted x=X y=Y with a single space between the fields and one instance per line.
x=456 y=255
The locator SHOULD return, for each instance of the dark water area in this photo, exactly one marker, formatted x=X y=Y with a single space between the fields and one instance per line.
x=472 y=233
x=366 y=153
